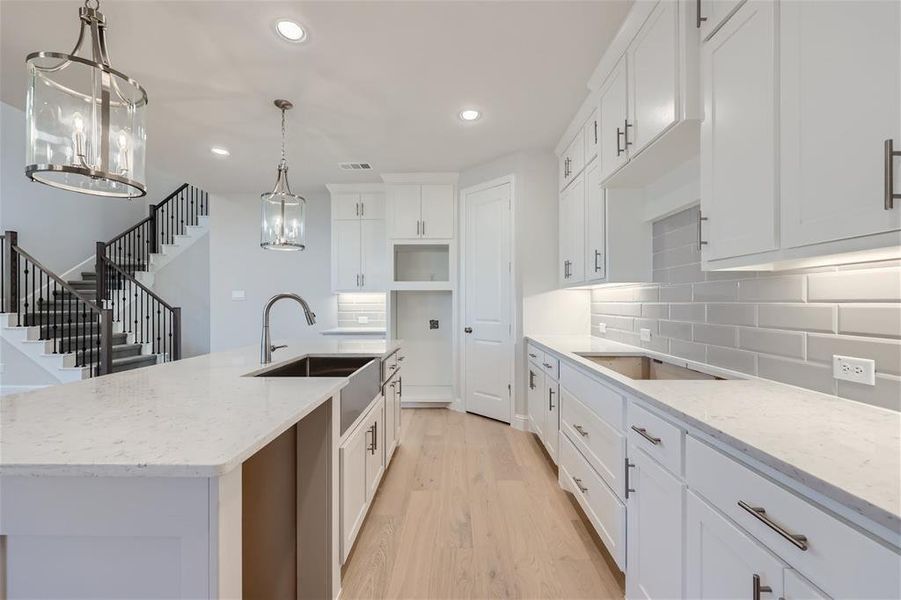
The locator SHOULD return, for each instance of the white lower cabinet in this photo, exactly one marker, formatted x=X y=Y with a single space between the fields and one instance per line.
x=655 y=536
x=375 y=453
x=535 y=394
x=550 y=434
x=723 y=562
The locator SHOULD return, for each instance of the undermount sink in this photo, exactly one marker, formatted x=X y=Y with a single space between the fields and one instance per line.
x=642 y=367
x=364 y=372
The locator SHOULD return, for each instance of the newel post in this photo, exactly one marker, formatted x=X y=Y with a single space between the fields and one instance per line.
x=100 y=271
x=10 y=273
x=176 y=333
x=152 y=237
x=106 y=341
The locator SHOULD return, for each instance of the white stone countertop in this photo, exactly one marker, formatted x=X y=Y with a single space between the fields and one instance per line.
x=845 y=450
x=198 y=417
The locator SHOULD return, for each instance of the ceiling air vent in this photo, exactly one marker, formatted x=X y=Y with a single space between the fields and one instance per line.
x=355 y=166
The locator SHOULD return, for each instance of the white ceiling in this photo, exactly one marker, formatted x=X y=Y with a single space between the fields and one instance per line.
x=376 y=81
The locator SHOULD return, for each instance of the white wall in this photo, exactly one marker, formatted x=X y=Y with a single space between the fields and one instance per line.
x=540 y=307
x=60 y=228
x=238 y=263
x=185 y=282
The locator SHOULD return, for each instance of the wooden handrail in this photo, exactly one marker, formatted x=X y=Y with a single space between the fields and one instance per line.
x=153 y=209
x=133 y=281
x=51 y=275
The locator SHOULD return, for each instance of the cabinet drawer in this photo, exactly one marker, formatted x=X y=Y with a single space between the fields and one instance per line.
x=605 y=511
x=550 y=364
x=604 y=401
x=534 y=354
x=603 y=446
x=834 y=551
x=659 y=438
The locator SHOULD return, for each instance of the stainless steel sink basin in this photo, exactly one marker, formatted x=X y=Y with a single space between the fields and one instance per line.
x=364 y=372
x=642 y=367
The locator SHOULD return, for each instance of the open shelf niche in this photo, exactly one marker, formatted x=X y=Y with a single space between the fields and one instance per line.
x=422 y=263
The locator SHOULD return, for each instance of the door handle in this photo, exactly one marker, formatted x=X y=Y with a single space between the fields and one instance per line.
x=619 y=134
x=644 y=433
x=579 y=485
x=626 y=134
x=757 y=589
x=597 y=258
x=700 y=19
x=531 y=379
x=362 y=209
x=890 y=195
x=595 y=132
x=581 y=431
x=417 y=227
x=423 y=229
x=467 y=329
x=701 y=242
x=629 y=489
x=550 y=399
x=759 y=513
x=357 y=208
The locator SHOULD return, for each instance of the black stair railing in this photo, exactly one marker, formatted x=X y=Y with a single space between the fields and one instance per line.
x=139 y=311
x=132 y=248
x=66 y=317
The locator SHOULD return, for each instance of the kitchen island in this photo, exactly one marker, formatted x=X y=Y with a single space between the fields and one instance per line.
x=200 y=478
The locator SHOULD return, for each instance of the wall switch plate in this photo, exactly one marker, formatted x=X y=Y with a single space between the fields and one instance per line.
x=602 y=328
x=362 y=320
x=238 y=295
x=858 y=370
x=644 y=334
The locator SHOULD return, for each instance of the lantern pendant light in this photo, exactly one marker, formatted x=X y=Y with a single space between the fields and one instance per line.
x=283 y=225
x=85 y=121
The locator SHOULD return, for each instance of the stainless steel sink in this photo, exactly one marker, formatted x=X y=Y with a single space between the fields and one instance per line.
x=364 y=372
x=642 y=367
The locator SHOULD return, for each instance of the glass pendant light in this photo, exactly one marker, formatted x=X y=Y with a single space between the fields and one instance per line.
x=85 y=121
x=283 y=212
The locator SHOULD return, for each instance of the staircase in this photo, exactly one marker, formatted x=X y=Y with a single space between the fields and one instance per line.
x=104 y=317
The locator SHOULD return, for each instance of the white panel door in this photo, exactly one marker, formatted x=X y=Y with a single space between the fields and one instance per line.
x=353 y=487
x=372 y=205
x=739 y=143
x=345 y=206
x=404 y=216
x=373 y=255
x=613 y=111
x=655 y=525
x=535 y=398
x=722 y=562
x=487 y=305
x=841 y=99
x=437 y=211
x=653 y=76
x=346 y=253
x=595 y=226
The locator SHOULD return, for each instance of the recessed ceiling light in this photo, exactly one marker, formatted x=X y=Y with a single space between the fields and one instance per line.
x=470 y=114
x=290 y=30
x=220 y=151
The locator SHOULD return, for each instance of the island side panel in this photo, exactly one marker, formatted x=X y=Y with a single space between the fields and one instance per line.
x=106 y=537
x=226 y=541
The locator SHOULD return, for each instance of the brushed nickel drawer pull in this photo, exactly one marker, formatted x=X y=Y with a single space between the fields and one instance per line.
x=546 y=365
x=758 y=512
x=629 y=490
x=757 y=589
x=644 y=433
x=890 y=195
x=581 y=431
x=579 y=485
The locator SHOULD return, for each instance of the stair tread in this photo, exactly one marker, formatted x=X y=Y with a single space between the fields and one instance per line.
x=126 y=360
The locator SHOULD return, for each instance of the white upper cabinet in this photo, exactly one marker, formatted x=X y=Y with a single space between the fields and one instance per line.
x=595 y=226
x=712 y=14
x=421 y=211
x=840 y=100
x=373 y=255
x=572 y=233
x=345 y=206
x=653 y=72
x=613 y=111
x=372 y=205
x=591 y=133
x=346 y=254
x=359 y=259
x=739 y=193
x=404 y=213
x=437 y=211
x=572 y=160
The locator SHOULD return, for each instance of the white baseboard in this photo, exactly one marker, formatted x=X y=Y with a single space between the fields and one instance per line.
x=520 y=422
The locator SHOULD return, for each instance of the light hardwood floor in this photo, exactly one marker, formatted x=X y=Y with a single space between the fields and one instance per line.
x=470 y=508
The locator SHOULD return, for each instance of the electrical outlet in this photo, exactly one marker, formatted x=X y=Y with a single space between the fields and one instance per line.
x=238 y=295
x=602 y=328
x=858 y=370
x=644 y=335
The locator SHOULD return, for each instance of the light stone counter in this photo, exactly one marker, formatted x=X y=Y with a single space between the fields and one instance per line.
x=847 y=451
x=199 y=417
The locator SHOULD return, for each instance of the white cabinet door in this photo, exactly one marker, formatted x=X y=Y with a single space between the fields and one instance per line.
x=653 y=77
x=404 y=217
x=613 y=111
x=722 y=562
x=798 y=588
x=571 y=233
x=373 y=255
x=372 y=205
x=346 y=255
x=437 y=211
x=840 y=65
x=655 y=527
x=390 y=421
x=536 y=399
x=551 y=425
x=739 y=143
x=714 y=13
x=353 y=487
x=375 y=450
x=595 y=226
x=592 y=134
x=345 y=206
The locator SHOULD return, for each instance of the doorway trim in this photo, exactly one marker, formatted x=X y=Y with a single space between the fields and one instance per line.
x=517 y=421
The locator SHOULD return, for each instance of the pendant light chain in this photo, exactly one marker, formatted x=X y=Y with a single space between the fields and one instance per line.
x=284 y=162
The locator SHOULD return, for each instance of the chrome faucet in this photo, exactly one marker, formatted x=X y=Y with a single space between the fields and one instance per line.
x=266 y=346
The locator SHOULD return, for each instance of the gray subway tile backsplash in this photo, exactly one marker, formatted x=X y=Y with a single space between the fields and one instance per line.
x=784 y=326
